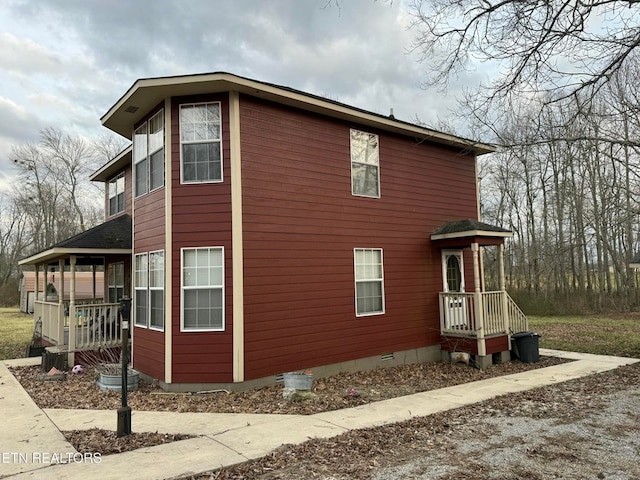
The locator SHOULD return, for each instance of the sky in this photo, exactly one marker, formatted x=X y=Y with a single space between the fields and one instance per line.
x=64 y=63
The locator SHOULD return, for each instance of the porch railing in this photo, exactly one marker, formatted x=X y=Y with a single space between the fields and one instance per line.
x=85 y=326
x=479 y=315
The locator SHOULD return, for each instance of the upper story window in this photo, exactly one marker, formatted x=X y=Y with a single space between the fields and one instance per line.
x=201 y=142
x=148 y=154
x=116 y=195
x=365 y=168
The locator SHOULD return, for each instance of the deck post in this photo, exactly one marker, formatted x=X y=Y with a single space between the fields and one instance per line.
x=477 y=301
x=505 y=302
x=73 y=318
x=60 y=337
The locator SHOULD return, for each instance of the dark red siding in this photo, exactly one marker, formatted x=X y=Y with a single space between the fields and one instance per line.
x=149 y=235
x=301 y=224
x=201 y=218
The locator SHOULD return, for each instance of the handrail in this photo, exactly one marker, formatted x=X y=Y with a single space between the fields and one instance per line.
x=458 y=314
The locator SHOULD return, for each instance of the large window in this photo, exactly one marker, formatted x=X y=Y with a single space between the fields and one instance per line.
x=201 y=142
x=203 y=289
x=365 y=168
x=149 y=288
x=156 y=290
x=148 y=154
x=115 y=280
x=141 y=284
x=369 y=278
x=116 y=194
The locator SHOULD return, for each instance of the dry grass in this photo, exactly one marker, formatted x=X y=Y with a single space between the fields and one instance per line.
x=16 y=331
x=619 y=335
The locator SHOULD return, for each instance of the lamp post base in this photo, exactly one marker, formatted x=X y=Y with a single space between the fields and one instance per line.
x=124 y=421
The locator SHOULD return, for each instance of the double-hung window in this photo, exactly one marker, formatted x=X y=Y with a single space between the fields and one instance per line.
x=148 y=154
x=156 y=290
x=203 y=289
x=115 y=280
x=141 y=285
x=116 y=194
x=149 y=290
x=365 y=164
x=201 y=142
x=369 y=277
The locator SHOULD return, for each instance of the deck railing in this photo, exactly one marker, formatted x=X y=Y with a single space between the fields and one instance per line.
x=84 y=326
x=479 y=315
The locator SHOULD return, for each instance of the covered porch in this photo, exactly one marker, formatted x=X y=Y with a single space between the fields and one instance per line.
x=69 y=325
x=477 y=321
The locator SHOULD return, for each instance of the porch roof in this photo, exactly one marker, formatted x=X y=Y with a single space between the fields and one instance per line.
x=110 y=238
x=467 y=229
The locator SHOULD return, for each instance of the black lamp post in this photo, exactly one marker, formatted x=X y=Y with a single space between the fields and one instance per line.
x=124 y=412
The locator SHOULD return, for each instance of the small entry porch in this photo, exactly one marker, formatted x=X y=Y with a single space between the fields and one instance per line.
x=478 y=322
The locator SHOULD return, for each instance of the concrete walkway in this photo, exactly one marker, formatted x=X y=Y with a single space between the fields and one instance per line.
x=32 y=445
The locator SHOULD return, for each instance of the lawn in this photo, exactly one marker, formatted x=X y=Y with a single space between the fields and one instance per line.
x=601 y=335
x=16 y=331
x=590 y=334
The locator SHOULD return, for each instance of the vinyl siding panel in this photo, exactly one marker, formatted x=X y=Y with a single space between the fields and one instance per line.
x=201 y=218
x=301 y=224
x=149 y=235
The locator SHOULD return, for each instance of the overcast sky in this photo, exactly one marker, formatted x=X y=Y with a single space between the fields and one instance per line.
x=63 y=63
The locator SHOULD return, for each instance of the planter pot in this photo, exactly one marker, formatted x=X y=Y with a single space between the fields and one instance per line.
x=113 y=381
x=297 y=381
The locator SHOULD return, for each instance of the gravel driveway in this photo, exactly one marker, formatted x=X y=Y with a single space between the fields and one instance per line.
x=602 y=444
x=581 y=429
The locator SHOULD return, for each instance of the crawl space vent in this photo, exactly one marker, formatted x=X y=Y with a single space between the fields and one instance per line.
x=387 y=356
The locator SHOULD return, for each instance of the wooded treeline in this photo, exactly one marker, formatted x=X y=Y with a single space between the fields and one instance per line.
x=51 y=198
x=566 y=181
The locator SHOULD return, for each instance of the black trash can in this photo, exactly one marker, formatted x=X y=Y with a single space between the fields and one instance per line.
x=526 y=346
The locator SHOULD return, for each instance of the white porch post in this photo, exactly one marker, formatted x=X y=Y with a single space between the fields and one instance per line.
x=505 y=303
x=73 y=319
x=477 y=297
x=60 y=304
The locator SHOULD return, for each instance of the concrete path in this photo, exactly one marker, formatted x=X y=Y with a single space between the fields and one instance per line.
x=32 y=445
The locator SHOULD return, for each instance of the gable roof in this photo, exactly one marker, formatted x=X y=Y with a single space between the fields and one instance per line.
x=111 y=237
x=113 y=166
x=147 y=93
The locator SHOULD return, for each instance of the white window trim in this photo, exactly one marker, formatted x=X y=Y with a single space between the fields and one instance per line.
x=351 y=162
x=198 y=182
x=114 y=183
x=150 y=288
x=136 y=288
x=356 y=281
x=149 y=153
x=182 y=289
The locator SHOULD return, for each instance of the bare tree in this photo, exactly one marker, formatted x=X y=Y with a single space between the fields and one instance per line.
x=52 y=188
x=559 y=47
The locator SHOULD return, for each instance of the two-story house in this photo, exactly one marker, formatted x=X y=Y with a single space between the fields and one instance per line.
x=260 y=229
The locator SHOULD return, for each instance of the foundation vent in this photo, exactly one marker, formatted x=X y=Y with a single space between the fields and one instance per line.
x=280 y=378
x=387 y=356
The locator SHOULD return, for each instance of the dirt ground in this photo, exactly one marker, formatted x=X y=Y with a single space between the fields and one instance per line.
x=582 y=429
x=335 y=392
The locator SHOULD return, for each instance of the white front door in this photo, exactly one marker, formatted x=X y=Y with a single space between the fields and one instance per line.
x=455 y=306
